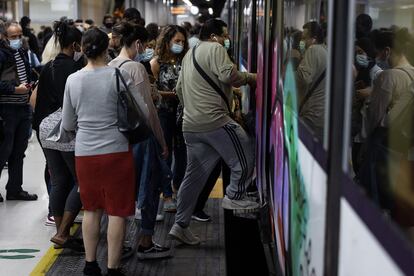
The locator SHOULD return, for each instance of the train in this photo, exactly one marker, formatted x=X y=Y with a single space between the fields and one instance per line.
x=317 y=220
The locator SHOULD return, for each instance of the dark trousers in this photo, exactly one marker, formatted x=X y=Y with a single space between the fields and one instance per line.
x=17 y=124
x=174 y=138
x=46 y=174
x=208 y=187
x=64 y=194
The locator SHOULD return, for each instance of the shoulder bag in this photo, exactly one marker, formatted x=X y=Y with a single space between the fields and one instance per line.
x=131 y=120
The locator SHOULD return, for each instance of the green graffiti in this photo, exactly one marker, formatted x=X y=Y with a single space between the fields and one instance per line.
x=20 y=254
x=299 y=207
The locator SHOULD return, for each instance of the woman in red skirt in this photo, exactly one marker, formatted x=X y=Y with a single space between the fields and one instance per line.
x=104 y=162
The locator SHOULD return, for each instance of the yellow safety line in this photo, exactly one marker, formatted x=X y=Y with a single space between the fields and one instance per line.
x=217 y=191
x=49 y=258
x=52 y=254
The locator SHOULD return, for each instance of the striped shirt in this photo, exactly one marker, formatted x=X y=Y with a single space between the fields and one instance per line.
x=21 y=99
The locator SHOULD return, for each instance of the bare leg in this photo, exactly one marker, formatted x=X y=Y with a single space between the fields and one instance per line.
x=90 y=228
x=116 y=233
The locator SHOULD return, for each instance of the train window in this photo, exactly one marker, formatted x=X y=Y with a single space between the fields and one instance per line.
x=383 y=107
x=305 y=60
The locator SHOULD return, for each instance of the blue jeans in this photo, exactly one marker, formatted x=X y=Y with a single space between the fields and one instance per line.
x=17 y=126
x=151 y=173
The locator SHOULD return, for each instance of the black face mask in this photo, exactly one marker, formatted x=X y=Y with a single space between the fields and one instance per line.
x=109 y=25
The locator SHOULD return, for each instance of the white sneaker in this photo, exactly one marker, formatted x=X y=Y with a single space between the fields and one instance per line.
x=50 y=221
x=79 y=218
x=243 y=204
x=138 y=216
x=183 y=235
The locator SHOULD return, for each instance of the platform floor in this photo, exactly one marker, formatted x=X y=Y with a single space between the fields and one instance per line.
x=25 y=248
x=206 y=259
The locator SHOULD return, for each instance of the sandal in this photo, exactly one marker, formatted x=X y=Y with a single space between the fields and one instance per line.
x=75 y=244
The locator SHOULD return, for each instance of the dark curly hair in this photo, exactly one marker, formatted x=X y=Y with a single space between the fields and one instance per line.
x=163 y=43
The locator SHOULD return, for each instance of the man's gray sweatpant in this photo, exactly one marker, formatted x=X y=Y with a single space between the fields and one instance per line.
x=204 y=150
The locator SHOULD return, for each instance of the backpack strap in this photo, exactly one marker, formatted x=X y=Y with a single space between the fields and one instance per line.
x=209 y=80
x=311 y=90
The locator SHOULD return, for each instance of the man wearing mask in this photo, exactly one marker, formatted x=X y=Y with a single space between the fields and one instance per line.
x=310 y=77
x=210 y=133
x=108 y=23
x=15 y=110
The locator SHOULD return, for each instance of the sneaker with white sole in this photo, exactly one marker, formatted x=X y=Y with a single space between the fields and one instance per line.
x=183 y=235
x=138 y=216
x=170 y=206
x=201 y=216
x=243 y=204
x=50 y=221
x=155 y=251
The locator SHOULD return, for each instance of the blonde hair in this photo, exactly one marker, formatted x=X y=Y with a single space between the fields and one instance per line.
x=52 y=49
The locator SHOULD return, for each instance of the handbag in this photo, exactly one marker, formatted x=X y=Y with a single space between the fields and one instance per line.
x=239 y=118
x=59 y=134
x=131 y=120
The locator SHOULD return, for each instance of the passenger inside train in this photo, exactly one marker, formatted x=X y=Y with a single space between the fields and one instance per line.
x=136 y=127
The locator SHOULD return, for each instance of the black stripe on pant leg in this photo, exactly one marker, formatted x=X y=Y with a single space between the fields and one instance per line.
x=239 y=193
x=237 y=139
x=242 y=161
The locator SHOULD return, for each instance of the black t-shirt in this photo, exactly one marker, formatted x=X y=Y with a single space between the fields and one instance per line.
x=51 y=86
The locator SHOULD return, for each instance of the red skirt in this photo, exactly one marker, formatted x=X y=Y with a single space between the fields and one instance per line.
x=107 y=182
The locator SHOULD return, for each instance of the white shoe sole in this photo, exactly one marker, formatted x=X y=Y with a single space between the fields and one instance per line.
x=179 y=238
x=199 y=219
x=232 y=205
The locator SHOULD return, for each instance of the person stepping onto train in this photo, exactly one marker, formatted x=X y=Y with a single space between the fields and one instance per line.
x=205 y=88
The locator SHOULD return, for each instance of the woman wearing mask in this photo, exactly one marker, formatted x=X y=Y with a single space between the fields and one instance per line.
x=367 y=72
x=171 y=47
x=146 y=153
x=103 y=157
x=64 y=197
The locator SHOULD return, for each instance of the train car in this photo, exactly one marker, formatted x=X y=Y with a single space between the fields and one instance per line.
x=317 y=219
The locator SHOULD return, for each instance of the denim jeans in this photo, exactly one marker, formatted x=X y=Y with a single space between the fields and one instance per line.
x=151 y=173
x=17 y=119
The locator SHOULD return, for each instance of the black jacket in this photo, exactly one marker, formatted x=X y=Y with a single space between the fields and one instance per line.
x=8 y=69
x=33 y=43
x=51 y=86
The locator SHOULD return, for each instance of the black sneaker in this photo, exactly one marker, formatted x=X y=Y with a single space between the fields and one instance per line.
x=92 y=269
x=1 y=198
x=116 y=272
x=201 y=216
x=22 y=195
x=155 y=251
x=127 y=251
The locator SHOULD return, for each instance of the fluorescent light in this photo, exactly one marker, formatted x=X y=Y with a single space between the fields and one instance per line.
x=194 y=10
x=210 y=11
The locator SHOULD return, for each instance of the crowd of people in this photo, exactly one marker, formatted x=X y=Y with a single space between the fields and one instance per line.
x=65 y=85
x=382 y=106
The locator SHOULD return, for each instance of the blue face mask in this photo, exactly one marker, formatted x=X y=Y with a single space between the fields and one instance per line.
x=227 y=44
x=16 y=44
x=362 y=60
x=177 y=48
x=148 y=54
